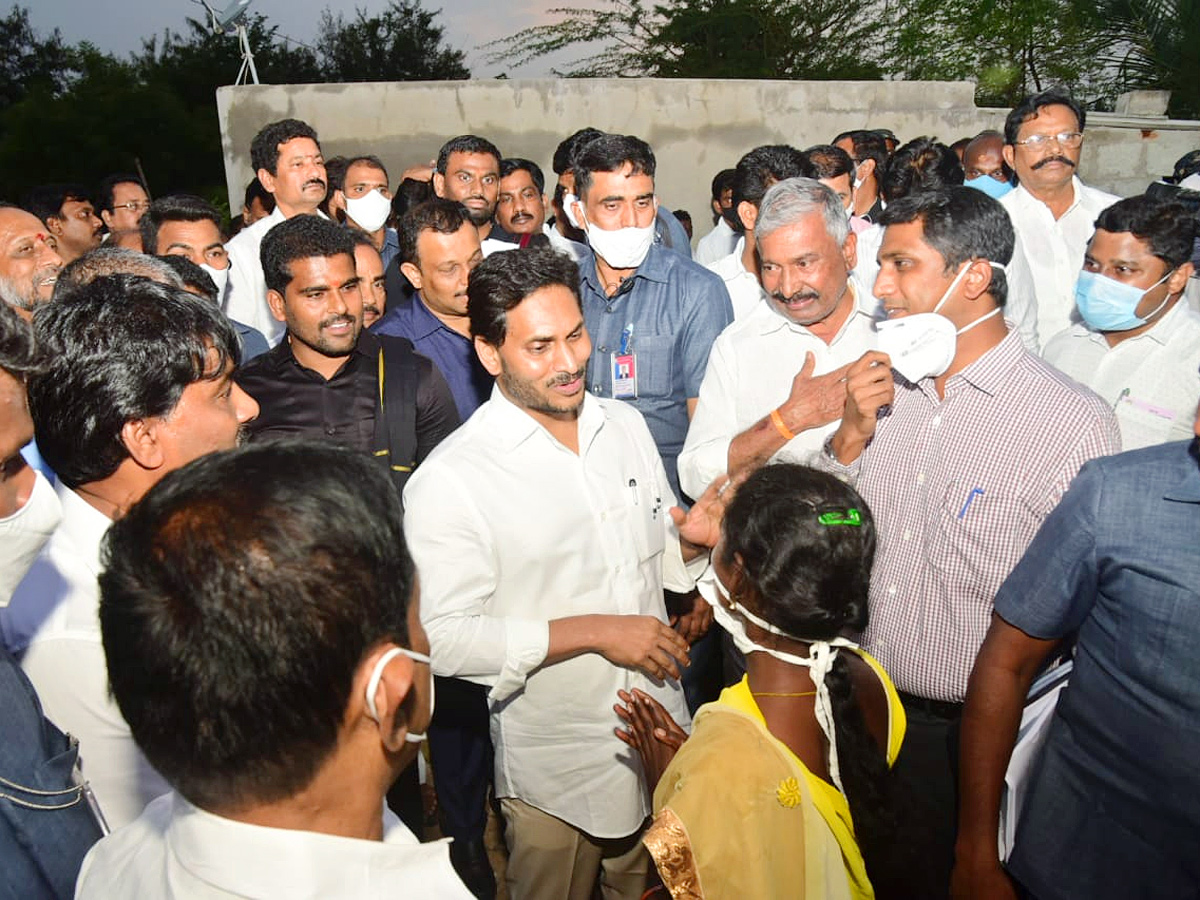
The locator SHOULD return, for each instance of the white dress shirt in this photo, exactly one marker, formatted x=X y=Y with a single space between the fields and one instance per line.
x=1152 y=380
x=176 y=851
x=745 y=291
x=717 y=243
x=25 y=532
x=510 y=530
x=247 y=299
x=53 y=627
x=1054 y=248
x=1020 y=308
x=750 y=372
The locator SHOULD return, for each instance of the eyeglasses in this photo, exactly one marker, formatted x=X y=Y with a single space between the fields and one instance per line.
x=1068 y=139
x=133 y=205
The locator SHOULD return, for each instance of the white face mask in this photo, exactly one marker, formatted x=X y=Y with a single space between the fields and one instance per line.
x=370 y=210
x=923 y=345
x=568 y=203
x=377 y=675
x=625 y=248
x=220 y=278
x=818 y=662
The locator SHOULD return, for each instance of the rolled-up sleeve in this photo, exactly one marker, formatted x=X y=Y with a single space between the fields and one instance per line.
x=456 y=563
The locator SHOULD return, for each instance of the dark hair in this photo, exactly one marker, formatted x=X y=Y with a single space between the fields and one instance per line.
x=722 y=182
x=812 y=580
x=369 y=160
x=118 y=349
x=960 y=223
x=108 y=260
x=194 y=278
x=175 y=208
x=409 y=193
x=763 y=166
x=867 y=145
x=46 y=200
x=19 y=355
x=104 y=192
x=264 y=149
x=1033 y=104
x=610 y=153
x=1168 y=229
x=923 y=164
x=682 y=215
x=255 y=191
x=300 y=237
x=239 y=597
x=517 y=163
x=829 y=161
x=466 y=143
x=360 y=238
x=335 y=180
x=564 y=153
x=503 y=280
x=442 y=216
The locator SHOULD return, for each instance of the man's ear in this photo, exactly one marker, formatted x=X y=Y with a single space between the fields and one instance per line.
x=1008 y=152
x=54 y=225
x=1179 y=278
x=850 y=251
x=748 y=213
x=412 y=273
x=978 y=279
x=275 y=301
x=866 y=169
x=267 y=180
x=394 y=688
x=140 y=437
x=439 y=184
x=107 y=218
x=489 y=356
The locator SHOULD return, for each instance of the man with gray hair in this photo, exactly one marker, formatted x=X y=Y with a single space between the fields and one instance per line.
x=775 y=382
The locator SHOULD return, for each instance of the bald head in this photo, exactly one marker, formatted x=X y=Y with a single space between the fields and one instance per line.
x=984 y=156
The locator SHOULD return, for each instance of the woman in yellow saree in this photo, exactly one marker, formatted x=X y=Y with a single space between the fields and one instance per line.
x=783 y=788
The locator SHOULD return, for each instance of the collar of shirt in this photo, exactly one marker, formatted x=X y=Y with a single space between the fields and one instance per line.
x=257 y=861
x=512 y=426
x=1188 y=489
x=989 y=373
x=84 y=525
x=1023 y=199
x=655 y=267
x=425 y=323
x=281 y=355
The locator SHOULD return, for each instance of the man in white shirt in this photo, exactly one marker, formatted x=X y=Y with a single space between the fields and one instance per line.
x=1052 y=211
x=545 y=531
x=723 y=238
x=269 y=657
x=756 y=171
x=1138 y=346
x=521 y=206
x=774 y=386
x=138 y=382
x=287 y=159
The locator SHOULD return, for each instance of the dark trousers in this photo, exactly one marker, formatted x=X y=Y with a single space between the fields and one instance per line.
x=460 y=750
x=927 y=778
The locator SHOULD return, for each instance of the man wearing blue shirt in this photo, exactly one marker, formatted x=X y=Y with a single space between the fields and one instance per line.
x=652 y=314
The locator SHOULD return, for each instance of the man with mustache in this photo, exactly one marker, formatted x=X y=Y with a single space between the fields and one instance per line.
x=287 y=159
x=69 y=217
x=322 y=380
x=1052 y=211
x=521 y=207
x=29 y=266
x=775 y=386
x=137 y=382
x=544 y=533
x=468 y=172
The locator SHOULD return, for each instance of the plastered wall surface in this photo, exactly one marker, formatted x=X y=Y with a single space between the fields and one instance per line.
x=696 y=127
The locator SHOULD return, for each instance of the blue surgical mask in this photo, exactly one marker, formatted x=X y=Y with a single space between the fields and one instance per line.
x=1108 y=305
x=989 y=185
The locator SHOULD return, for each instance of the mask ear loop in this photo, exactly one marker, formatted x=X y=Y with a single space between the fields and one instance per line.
x=377 y=675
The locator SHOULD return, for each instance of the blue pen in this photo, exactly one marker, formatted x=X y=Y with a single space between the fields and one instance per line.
x=626 y=339
x=970 y=497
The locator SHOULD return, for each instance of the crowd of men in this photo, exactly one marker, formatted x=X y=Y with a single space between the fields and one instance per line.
x=541 y=396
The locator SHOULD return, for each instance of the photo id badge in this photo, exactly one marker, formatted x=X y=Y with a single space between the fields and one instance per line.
x=624 y=376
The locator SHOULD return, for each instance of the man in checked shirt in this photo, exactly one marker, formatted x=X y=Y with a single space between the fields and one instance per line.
x=960 y=463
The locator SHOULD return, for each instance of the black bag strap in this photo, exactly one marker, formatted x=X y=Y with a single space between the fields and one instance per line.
x=396 y=410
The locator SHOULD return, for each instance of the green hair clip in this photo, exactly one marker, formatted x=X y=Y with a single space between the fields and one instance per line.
x=850 y=517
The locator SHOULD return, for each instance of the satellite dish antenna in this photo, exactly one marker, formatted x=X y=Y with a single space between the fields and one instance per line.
x=232 y=20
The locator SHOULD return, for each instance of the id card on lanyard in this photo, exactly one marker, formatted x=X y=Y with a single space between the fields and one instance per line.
x=624 y=368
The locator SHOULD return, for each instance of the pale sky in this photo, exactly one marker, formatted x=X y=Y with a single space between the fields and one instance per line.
x=119 y=25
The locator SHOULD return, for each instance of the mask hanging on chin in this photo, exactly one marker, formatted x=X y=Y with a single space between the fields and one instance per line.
x=624 y=248
x=1108 y=305
x=370 y=211
x=923 y=345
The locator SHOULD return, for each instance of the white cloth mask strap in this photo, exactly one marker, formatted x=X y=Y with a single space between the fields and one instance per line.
x=377 y=676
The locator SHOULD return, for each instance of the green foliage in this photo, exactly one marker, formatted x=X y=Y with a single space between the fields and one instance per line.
x=400 y=44
x=1155 y=44
x=706 y=39
x=30 y=64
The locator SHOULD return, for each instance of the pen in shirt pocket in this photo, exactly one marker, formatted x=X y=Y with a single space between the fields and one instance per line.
x=975 y=492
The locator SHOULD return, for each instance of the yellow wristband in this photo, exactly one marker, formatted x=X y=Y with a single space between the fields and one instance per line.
x=777 y=419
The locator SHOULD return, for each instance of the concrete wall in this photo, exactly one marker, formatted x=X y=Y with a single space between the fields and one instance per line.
x=696 y=127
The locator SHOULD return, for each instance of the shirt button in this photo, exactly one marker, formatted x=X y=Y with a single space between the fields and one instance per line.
x=596 y=388
x=920 y=478
x=937 y=420
x=907 y=534
x=603 y=517
x=329 y=429
x=892 y=591
x=603 y=349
